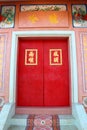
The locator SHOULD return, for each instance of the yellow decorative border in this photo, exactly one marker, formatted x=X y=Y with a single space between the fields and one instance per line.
x=60 y=56
x=3 y=39
x=26 y=50
x=83 y=44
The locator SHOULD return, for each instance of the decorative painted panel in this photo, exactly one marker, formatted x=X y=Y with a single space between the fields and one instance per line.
x=55 y=56
x=2 y=58
x=79 y=14
x=83 y=38
x=43 y=8
x=7 y=16
x=31 y=56
x=43 y=19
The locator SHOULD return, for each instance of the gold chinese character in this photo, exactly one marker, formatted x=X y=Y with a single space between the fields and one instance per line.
x=1 y=50
x=2 y=39
x=1 y=61
x=85 y=43
x=0 y=84
x=31 y=53
x=1 y=55
x=56 y=59
x=53 y=19
x=31 y=60
x=85 y=54
x=0 y=67
x=0 y=72
x=85 y=48
x=86 y=72
x=55 y=53
x=33 y=18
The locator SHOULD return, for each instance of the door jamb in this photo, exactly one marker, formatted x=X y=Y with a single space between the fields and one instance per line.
x=38 y=34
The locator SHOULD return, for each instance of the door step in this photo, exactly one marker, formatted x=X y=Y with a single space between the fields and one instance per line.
x=63 y=127
x=13 y=127
x=66 y=119
x=19 y=122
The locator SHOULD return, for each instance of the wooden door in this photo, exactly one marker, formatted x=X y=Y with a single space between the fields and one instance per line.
x=30 y=73
x=56 y=73
x=43 y=73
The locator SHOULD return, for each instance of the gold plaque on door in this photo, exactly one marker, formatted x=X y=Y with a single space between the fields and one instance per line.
x=55 y=56
x=31 y=56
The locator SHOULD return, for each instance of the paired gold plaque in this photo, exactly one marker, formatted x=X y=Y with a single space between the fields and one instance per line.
x=31 y=56
x=55 y=56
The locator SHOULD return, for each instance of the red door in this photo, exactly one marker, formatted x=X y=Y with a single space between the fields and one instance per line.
x=30 y=75
x=43 y=73
x=56 y=73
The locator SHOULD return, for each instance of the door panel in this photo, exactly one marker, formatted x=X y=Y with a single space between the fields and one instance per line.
x=56 y=76
x=45 y=80
x=30 y=77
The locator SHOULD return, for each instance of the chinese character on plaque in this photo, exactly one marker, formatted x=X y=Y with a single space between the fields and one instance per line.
x=55 y=56
x=31 y=56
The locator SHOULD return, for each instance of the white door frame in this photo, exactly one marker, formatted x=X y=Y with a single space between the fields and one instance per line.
x=47 y=33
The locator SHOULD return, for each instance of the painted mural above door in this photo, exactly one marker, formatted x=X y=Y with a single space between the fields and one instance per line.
x=7 y=16
x=79 y=14
x=43 y=8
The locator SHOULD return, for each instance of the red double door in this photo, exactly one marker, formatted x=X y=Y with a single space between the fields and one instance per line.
x=43 y=73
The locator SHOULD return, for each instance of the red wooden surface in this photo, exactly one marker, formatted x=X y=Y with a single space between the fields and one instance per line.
x=30 y=78
x=56 y=77
x=43 y=84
